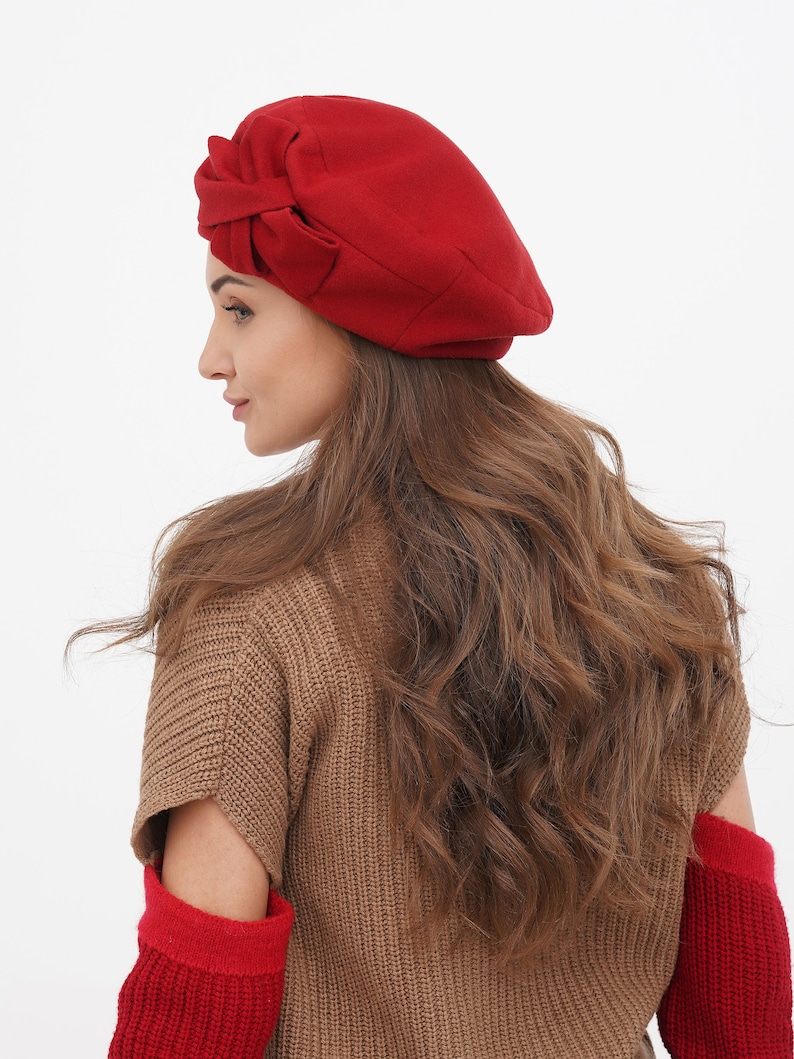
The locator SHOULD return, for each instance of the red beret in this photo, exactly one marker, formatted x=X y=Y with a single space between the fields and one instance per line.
x=374 y=219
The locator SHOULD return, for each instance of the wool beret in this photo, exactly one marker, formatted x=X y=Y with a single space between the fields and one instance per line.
x=373 y=218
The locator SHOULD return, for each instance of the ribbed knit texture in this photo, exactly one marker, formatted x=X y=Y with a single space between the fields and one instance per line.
x=269 y=710
x=730 y=997
x=203 y=987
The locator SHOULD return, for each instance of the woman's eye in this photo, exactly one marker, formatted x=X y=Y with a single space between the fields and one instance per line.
x=239 y=311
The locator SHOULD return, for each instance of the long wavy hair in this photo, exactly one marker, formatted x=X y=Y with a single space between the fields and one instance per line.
x=550 y=639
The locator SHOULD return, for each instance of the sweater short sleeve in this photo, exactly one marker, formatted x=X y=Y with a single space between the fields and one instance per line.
x=218 y=726
x=727 y=744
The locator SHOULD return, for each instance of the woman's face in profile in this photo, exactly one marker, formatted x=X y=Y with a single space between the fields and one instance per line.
x=286 y=369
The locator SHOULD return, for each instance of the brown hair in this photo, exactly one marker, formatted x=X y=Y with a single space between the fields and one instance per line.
x=551 y=639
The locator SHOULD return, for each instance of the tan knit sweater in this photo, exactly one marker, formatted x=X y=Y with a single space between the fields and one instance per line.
x=267 y=709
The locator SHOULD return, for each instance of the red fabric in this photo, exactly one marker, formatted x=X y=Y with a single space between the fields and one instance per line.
x=372 y=218
x=730 y=995
x=203 y=987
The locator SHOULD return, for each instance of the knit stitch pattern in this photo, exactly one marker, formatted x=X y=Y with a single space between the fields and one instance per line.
x=269 y=709
x=203 y=987
x=730 y=996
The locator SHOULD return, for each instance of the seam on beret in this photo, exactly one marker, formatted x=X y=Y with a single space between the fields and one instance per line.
x=424 y=308
x=501 y=286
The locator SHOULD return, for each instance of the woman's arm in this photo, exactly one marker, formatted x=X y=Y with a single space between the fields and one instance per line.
x=730 y=994
x=208 y=864
x=735 y=804
x=213 y=940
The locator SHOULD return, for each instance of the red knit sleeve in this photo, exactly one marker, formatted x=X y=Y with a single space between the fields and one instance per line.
x=730 y=994
x=203 y=987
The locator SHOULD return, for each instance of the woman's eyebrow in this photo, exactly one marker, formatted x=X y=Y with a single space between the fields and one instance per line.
x=216 y=285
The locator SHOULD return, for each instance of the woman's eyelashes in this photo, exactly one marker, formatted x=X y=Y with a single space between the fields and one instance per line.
x=241 y=312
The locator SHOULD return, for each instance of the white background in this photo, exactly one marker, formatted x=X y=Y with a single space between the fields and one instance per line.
x=642 y=149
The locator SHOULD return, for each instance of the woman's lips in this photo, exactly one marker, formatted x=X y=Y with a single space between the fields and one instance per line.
x=239 y=405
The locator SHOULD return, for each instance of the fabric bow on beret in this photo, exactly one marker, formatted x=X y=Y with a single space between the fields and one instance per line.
x=371 y=217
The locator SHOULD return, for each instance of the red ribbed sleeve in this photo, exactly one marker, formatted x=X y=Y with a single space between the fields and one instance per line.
x=203 y=987
x=730 y=995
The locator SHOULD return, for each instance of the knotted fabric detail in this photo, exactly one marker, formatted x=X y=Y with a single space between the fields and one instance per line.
x=249 y=214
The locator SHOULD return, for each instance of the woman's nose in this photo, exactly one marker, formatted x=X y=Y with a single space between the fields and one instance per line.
x=215 y=362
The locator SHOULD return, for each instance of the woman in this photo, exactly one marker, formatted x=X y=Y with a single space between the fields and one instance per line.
x=447 y=696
